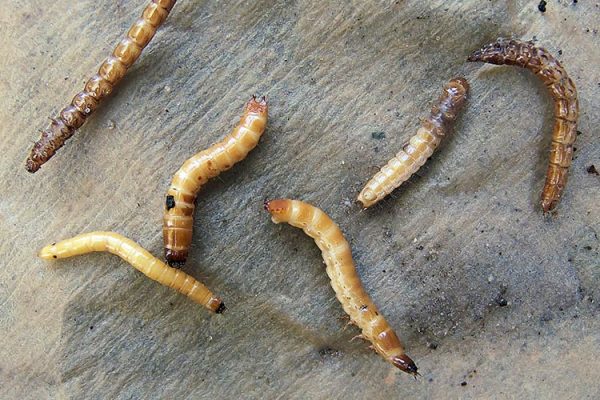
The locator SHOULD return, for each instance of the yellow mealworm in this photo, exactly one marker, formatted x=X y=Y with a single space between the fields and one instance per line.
x=344 y=279
x=566 y=106
x=420 y=147
x=140 y=259
x=112 y=70
x=178 y=219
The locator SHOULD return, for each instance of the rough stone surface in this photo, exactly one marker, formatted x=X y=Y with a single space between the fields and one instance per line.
x=492 y=299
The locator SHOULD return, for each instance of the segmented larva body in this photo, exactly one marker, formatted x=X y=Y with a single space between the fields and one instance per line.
x=140 y=259
x=178 y=219
x=344 y=279
x=566 y=105
x=112 y=70
x=420 y=147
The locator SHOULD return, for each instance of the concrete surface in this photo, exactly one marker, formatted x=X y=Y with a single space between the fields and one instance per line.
x=492 y=299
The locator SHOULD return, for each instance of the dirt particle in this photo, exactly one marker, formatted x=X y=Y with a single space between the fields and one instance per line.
x=378 y=135
x=542 y=8
x=328 y=352
x=463 y=383
x=592 y=170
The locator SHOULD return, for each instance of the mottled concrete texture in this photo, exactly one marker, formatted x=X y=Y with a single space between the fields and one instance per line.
x=492 y=299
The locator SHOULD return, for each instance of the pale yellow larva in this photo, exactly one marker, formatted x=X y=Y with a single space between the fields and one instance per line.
x=344 y=279
x=140 y=259
x=420 y=147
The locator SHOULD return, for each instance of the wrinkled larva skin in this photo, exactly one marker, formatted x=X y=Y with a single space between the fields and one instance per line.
x=420 y=147
x=139 y=258
x=178 y=218
x=112 y=70
x=344 y=279
x=566 y=106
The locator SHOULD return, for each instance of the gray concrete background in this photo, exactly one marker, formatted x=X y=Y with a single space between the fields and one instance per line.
x=479 y=285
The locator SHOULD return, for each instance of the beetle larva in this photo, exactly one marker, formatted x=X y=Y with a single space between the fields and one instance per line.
x=178 y=219
x=140 y=259
x=566 y=106
x=344 y=279
x=112 y=70
x=420 y=147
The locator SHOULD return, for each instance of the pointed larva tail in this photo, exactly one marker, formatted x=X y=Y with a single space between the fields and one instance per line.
x=405 y=363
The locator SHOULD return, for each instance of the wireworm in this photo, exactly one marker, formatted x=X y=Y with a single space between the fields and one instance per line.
x=178 y=218
x=112 y=70
x=566 y=106
x=344 y=279
x=420 y=147
x=140 y=259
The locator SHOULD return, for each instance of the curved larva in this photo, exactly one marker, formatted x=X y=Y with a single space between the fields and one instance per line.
x=178 y=219
x=344 y=279
x=140 y=259
x=420 y=147
x=566 y=105
x=112 y=70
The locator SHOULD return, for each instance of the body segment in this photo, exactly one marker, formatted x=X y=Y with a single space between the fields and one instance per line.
x=178 y=219
x=344 y=279
x=420 y=147
x=139 y=258
x=112 y=70
x=566 y=106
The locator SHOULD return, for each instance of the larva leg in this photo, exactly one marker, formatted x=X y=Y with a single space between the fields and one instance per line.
x=420 y=147
x=344 y=279
x=566 y=106
x=178 y=219
x=140 y=259
x=100 y=85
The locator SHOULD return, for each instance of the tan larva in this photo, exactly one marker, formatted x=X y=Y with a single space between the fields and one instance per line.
x=344 y=279
x=178 y=219
x=140 y=259
x=420 y=147
x=566 y=106
x=112 y=70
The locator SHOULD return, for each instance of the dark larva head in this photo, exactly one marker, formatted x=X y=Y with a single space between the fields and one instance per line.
x=176 y=259
x=405 y=363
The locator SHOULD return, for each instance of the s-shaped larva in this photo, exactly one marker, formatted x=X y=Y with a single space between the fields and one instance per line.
x=140 y=259
x=566 y=106
x=112 y=70
x=344 y=279
x=178 y=219
x=420 y=147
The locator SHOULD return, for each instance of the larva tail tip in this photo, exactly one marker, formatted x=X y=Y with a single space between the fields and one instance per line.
x=31 y=166
x=475 y=56
x=406 y=364
x=175 y=259
x=548 y=206
x=257 y=105
x=266 y=205
x=221 y=308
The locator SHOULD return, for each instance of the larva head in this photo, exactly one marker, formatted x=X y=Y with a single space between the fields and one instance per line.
x=279 y=209
x=460 y=86
x=493 y=53
x=49 y=252
x=548 y=204
x=405 y=363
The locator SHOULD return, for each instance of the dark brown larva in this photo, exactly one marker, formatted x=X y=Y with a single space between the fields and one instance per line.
x=566 y=105
x=112 y=70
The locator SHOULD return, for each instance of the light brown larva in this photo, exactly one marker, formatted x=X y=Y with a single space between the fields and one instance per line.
x=420 y=147
x=566 y=106
x=344 y=279
x=112 y=70
x=140 y=259
x=178 y=219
